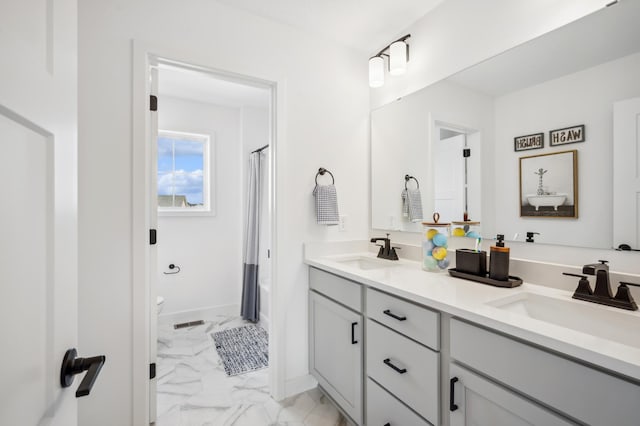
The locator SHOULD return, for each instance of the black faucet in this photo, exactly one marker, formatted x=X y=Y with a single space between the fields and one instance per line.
x=386 y=251
x=602 y=293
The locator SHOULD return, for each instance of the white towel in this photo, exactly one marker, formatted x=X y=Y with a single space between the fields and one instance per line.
x=326 y=204
x=412 y=204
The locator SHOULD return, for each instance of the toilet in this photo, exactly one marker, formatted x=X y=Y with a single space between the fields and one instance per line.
x=160 y=302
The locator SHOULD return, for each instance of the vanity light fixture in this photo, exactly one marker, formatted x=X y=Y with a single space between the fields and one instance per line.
x=397 y=54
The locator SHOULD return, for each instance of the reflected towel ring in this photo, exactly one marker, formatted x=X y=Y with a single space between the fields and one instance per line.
x=172 y=267
x=322 y=171
x=407 y=178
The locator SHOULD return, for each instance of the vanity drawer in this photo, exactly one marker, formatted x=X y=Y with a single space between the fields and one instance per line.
x=583 y=393
x=417 y=381
x=384 y=409
x=418 y=323
x=339 y=289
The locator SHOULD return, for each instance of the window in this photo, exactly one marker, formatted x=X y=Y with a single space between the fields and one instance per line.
x=183 y=173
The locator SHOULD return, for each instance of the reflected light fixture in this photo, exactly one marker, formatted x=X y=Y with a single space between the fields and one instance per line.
x=397 y=56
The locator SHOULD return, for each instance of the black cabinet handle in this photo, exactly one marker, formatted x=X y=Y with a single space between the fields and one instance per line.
x=392 y=315
x=72 y=365
x=353 y=333
x=452 y=404
x=387 y=424
x=390 y=364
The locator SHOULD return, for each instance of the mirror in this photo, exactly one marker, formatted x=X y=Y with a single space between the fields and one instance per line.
x=576 y=75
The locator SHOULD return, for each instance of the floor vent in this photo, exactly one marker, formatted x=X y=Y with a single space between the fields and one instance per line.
x=187 y=324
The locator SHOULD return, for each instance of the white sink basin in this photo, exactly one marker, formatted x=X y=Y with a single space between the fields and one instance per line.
x=606 y=323
x=366 y=263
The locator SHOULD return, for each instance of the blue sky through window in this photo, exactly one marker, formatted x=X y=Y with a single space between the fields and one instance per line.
x=181 y=167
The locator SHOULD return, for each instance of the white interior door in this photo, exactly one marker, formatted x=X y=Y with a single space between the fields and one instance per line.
x=626 y=173
x=38 y=217
x=153 y=251
x=448 y=171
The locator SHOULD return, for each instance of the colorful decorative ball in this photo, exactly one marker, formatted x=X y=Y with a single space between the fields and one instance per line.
x=431 y=233
x=439 y=253
x=440 y=240
x=430 y=263
x=458 y=232
x=443 y=264
x=466 y=228
x=428 y=245
x=473 y=234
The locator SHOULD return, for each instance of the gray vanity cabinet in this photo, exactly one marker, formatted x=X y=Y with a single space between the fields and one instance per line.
x=336 y=340
x=481 y=402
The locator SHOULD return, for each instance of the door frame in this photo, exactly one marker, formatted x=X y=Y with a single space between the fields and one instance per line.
x=144 y=56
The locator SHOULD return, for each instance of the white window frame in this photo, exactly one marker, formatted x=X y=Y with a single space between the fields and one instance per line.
x=207 y=208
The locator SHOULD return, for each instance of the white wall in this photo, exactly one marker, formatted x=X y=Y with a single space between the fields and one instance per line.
x=585 y=97
x=208 y=248
x=460 y=33
x=324 y=112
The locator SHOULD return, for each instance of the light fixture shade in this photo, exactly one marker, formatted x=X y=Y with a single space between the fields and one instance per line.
x=376 y=71
x=398 y=58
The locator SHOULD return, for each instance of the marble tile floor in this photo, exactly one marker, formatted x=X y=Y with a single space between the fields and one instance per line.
x=193 y=389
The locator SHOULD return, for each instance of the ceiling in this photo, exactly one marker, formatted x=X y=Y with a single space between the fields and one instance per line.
x=366 y=25
x=203 y=87
x=609 y=34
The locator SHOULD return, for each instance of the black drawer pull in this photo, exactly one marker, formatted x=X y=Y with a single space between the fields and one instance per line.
x=392 y=315
x=452 y=405
x=390 y=364
x=387 y=424
x=353 y=333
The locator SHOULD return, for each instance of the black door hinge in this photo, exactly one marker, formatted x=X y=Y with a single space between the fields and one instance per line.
x=466 y=152
x=153 y=103
x=152 y=370
x=153 y=236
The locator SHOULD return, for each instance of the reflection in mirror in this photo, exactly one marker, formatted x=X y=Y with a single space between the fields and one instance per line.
x=585 y=73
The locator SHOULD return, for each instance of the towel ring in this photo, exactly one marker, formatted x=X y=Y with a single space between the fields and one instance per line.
x=407 y=178
x=322 y=171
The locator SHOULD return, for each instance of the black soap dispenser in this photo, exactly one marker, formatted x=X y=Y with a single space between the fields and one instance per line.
x=499 y=260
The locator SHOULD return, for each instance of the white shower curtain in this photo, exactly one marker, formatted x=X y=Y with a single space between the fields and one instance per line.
x=250 y=307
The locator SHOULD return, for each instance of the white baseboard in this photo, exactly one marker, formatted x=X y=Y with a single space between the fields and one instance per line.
x=204 y=314
x=298 y=385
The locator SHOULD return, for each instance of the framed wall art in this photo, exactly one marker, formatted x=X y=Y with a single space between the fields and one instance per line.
x=549 y=185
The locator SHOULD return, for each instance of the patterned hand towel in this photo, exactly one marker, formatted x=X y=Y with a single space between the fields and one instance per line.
x=326 y=204
x=412 y=204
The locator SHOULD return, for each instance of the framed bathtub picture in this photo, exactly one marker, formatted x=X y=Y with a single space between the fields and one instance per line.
x=549 y=185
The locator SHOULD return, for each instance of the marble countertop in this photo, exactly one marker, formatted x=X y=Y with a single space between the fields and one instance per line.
x=472 y=301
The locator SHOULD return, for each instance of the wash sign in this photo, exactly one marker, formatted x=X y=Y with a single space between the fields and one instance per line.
x=524 y=143
x=567 y=135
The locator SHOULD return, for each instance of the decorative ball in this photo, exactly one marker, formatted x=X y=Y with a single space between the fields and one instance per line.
x=439 y=253
x=440 y=240
x=431 y=233
x=430 y=263
x=427 y=245
x=458 y=232
x=473 y=234
x=443 y=264
x=466 y=228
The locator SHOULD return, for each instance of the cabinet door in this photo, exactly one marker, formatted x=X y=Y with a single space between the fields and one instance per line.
x=479 y=402
x=335 y=352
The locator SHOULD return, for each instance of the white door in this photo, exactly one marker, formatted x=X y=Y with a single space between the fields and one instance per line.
x=626 y=173
x=480 y=402
x=153 y=251
x=38 y=211
x=335 y=357
x=448 y=173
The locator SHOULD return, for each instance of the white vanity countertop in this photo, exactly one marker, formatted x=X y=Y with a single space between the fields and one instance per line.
x=468 y=300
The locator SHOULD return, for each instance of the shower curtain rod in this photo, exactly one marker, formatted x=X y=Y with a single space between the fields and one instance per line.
x=260 y=149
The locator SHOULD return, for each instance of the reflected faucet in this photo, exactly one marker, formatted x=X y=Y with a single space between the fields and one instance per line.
x=386 y=251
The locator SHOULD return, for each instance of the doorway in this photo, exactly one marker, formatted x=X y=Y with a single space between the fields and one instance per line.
x=203 y=128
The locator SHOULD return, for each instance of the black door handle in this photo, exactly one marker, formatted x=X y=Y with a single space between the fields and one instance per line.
x=392 y=315
x=452 y=404
x=390 y=364
x=353 y=333
x=72 y=365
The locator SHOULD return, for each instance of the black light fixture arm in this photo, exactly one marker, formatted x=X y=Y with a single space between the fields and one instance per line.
x=403 y=38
